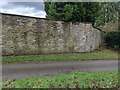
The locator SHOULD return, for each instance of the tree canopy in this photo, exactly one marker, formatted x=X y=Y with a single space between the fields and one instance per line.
x=95 y=12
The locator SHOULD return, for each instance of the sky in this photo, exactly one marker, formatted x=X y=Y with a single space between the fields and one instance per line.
x=34 y=9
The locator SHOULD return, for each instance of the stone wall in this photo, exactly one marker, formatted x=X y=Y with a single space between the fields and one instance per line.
x=108 y=27
x=29 y=35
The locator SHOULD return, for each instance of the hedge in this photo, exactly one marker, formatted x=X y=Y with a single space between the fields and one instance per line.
x=112 y=39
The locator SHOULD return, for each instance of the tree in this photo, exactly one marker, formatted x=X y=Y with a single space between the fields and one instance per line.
x=50 y=9
x=108 y=13
x=95 y=12
x=72 y=11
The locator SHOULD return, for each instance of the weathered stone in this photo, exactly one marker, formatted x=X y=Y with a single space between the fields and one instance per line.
x=28 y=35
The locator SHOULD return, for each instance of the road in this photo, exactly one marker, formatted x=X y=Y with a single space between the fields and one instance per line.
x=16 y=71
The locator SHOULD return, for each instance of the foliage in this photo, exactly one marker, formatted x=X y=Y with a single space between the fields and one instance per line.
x=96 y=12
x=72 y=11
x=112 y=39
x=96 y=55
x=72 y=80
x=108 y=13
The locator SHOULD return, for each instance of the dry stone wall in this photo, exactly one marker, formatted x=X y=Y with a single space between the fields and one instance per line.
x=29 y=35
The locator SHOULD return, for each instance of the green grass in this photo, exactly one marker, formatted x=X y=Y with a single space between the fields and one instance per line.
x=96 y=55
x=71 y=80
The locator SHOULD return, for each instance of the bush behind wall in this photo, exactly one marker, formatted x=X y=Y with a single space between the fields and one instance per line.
x=112 y=39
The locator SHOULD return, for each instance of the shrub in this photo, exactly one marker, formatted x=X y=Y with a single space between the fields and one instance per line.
x=112 y=39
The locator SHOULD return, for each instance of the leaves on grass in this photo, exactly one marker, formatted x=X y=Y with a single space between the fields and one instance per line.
x=72 y=80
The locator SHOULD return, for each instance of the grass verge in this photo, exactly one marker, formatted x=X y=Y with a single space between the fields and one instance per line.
x=96 y=55
x=71 y=80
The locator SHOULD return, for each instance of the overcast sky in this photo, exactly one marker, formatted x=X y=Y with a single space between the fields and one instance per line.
x=35 y=9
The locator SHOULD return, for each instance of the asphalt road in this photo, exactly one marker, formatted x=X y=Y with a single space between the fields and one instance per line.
x=16 y=71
